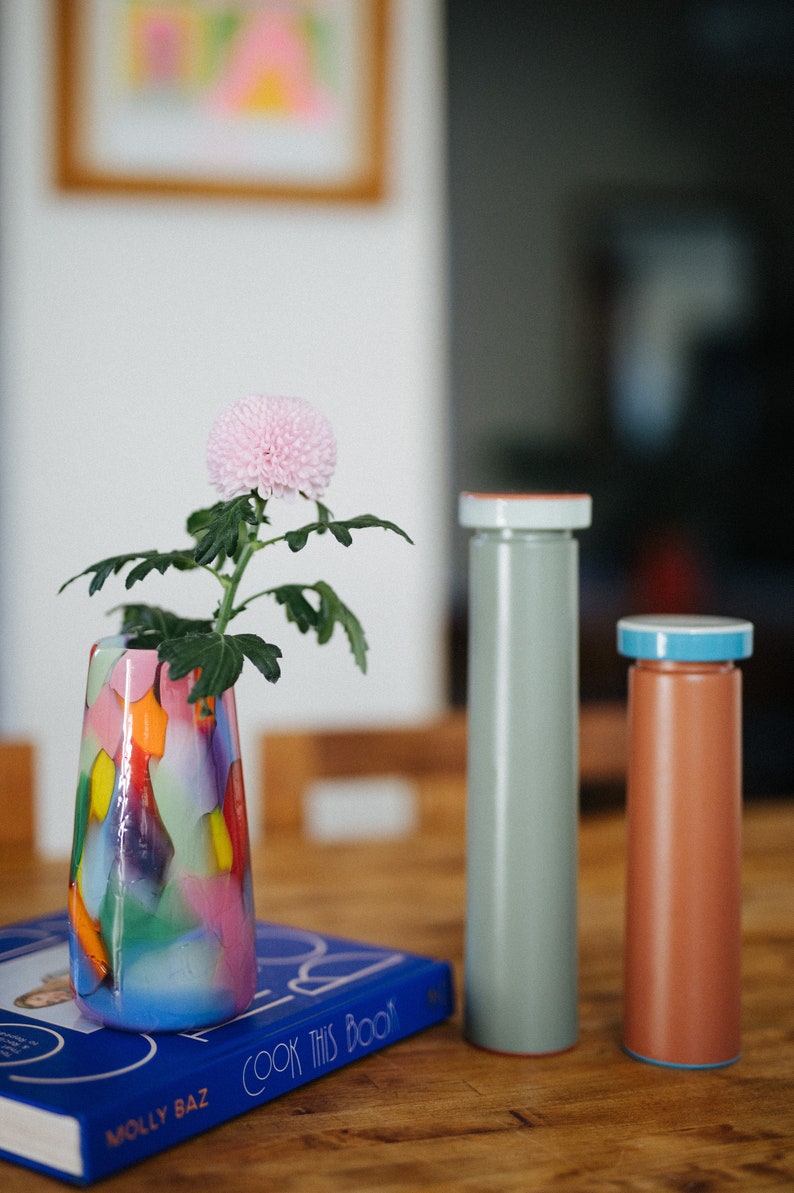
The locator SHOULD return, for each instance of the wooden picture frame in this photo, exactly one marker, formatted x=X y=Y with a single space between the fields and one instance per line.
x=271 y=99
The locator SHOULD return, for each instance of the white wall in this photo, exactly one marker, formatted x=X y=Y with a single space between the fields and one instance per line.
x=128 y=323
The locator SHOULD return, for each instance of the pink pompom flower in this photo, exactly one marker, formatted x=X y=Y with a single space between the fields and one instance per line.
x=258 y=447
x=279 y=447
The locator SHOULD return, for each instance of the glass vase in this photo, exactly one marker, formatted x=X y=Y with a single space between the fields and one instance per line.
x=160 y=894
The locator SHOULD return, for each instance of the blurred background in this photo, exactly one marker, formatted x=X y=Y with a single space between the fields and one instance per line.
x=621 y=199
x=578 y=275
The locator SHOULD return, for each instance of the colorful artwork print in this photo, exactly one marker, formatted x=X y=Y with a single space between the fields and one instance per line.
x=160 y=898
x=271 y=60
x=238 y=98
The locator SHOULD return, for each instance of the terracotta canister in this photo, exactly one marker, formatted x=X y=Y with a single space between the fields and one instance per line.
x=682 y=979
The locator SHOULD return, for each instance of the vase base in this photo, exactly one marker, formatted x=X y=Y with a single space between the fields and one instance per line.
x=164 y=1021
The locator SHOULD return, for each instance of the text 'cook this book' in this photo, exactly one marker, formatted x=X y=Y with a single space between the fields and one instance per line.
x=80 y=1101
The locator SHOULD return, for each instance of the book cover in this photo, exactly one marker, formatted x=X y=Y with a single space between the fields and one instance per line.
x=80 y=1101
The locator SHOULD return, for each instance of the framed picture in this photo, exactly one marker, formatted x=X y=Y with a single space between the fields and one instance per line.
x=251 y=98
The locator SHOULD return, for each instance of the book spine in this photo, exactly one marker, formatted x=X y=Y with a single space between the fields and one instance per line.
x=265 y=1068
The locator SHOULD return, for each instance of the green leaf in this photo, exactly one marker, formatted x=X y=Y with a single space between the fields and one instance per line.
x=341 y=533
x=150 y=561
x=221 y=533
x=105 y=568
x=198 y=521
x=297 y=608
x=264 y=655
x=149 y=625
x=365 y=521
x=183 y=561
x=329 y=611
x=296 y=539
x=323 y=619
x=333 y=612
x=219 y=658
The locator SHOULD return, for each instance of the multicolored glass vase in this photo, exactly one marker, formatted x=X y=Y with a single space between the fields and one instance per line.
x=160 y=895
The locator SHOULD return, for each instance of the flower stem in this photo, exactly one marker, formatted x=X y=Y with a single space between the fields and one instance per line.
x=232 y=582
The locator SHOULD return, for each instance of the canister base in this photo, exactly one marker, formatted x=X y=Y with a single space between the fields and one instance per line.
x=671 y=1064
x=520 y=1055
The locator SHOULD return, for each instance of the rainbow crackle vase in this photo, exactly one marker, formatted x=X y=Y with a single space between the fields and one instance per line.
x=160 y=896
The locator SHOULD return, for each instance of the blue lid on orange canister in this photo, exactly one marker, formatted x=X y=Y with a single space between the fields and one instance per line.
x=684 y=638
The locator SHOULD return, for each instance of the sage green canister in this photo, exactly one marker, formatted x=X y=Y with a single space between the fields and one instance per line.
x=521 y=963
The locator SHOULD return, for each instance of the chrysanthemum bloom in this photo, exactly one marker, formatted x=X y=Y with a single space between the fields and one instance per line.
x=281 y=447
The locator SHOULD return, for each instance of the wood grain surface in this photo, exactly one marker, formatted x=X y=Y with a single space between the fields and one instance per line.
x=434 y=1113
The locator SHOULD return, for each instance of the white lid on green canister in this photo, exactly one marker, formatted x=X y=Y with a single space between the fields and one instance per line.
x=684 y=638
x=525 y=511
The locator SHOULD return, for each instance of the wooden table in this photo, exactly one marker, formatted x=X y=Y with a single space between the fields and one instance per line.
x=432 y=1112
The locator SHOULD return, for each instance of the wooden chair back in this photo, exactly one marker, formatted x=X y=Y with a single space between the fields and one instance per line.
x=431 y=756
x=16 y=797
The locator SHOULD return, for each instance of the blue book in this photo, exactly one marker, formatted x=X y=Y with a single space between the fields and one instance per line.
x=80 y=1101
